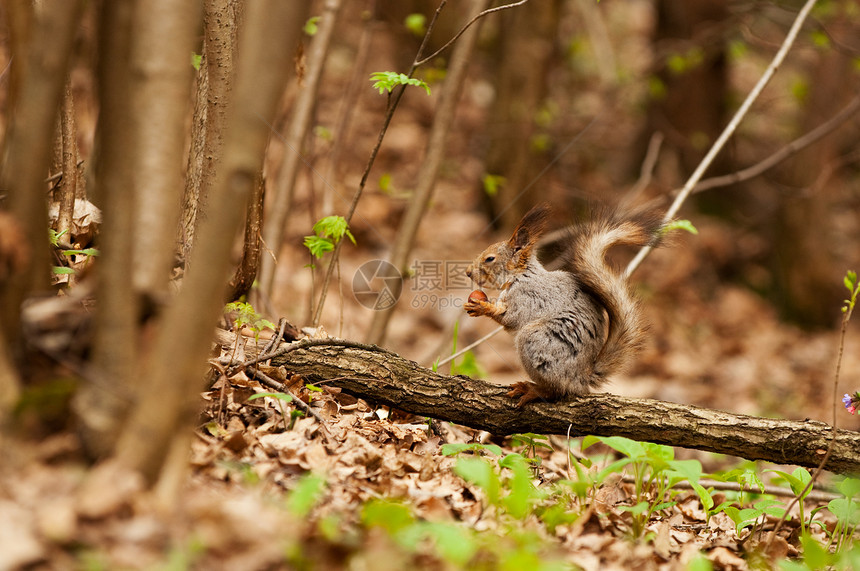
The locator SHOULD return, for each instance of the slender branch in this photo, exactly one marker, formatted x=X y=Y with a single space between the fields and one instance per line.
x=282 y=388
x=471 y=346
x=785 y=152
x=426 y=181
x=466 y=27
x=395 y=98
x=730 y=128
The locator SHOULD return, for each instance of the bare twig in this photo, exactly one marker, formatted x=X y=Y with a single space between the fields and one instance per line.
x=646 y=172
x=394 y=98
x=730 y=128
x=466 y=27
x=282 y=388
x=276 y=340
x=785 y=152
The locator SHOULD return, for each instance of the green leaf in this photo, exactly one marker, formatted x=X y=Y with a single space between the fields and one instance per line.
x=851 y=281
x=390 y=516
x=455 y=544
x=814 y=555
x=849 y=487
x=84 y=252
x=518 y=501
x=690 y=470
x=280 y=396
x=700 y=562
x=416 y=24
x=311 y=26
x=848 y=511
x=630 y=448
x=306 y=494
x=318 y=245
x=796 y=480
x=492 y=183
x=480 y=473
x=54 y=236
x=61 y=271
x=679 y=225
x=388 y=80
x=638 y=509
x=196 y=60
x=385 y=182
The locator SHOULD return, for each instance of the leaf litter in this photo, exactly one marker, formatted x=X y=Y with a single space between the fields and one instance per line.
x=265 y=491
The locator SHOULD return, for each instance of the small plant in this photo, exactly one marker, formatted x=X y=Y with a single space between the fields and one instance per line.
x=531 y=442
x=328 y=232
x=847 y=511
x=853 y=287
x=54 y=238
x=655 y=472
x=385 y=81
x=247 y=315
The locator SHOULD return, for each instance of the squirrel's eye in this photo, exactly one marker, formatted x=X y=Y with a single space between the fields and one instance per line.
x=489 y=259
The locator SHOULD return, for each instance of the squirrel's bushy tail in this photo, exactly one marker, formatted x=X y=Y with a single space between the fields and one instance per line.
x=585 y=257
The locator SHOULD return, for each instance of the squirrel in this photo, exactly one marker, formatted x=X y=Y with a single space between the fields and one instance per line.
x=572 y=327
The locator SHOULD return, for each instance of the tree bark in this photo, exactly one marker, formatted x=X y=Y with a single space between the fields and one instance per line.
x=68 y=166
x=246 y=271
x=167 y=399
x=384 y=377
x=215 y=86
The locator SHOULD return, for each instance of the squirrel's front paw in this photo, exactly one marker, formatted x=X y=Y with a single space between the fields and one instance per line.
x=476 y=308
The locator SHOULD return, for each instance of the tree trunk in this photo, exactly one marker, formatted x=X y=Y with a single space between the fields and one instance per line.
x=220 y=33
x=115 y=338
x=169 y=387
x=162 y=41
x=44 y=39
x=808 y=258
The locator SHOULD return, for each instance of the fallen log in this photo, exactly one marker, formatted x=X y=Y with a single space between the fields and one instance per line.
x=383 y=377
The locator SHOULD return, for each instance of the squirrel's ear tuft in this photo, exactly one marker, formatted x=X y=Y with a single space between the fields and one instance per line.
x=530 y=227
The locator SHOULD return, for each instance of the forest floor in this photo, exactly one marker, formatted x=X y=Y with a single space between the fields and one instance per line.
x=374 y=488
x=371 y=487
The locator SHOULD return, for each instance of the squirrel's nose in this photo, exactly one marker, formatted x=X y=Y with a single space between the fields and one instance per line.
x=469 y=272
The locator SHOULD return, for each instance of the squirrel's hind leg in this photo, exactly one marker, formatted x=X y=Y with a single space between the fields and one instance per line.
x=527 y=392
